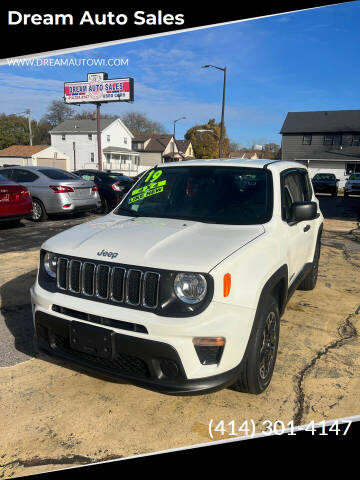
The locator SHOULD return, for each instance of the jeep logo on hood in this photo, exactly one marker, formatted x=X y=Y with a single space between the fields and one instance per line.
x=105 y=253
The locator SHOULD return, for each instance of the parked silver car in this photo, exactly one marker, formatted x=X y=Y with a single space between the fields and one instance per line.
x=54 y=191
x=352 y=185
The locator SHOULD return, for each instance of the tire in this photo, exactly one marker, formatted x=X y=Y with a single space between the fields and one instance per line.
x=104 y=208
x=346 y=194
x=39 y=213
x=259 y=361
x=334 y=194
x=309 y=282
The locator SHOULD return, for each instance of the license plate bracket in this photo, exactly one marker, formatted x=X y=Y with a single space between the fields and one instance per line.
x=91 y=339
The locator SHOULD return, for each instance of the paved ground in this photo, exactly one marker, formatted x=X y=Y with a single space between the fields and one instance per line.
x=55 y=415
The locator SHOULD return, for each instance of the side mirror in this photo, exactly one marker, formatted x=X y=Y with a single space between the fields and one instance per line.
x=302 y=211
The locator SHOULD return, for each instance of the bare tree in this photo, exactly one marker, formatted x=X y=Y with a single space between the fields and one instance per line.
x=57 y=112
x=140 y=124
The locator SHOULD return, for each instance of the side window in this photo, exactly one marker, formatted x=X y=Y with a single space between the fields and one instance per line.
x=7 y=172
x=295 y=188
x=20 y=176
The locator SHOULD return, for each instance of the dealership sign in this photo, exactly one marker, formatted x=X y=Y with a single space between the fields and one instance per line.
x=99 y=88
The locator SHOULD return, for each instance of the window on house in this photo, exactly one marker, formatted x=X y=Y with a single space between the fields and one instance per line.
x=90 y=137
x=352 y=168
x=63 y=137
x=108 y=138
x=355 y=141
x=125 y=140
x=337 y=140
x=307 y=139
x=92 y=157
x=332 y=139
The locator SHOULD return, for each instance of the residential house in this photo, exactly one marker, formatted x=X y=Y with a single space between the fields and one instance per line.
x=324 y=141
x=78 y=140
x=185 y=149
x=34 y=155
x=154 y=149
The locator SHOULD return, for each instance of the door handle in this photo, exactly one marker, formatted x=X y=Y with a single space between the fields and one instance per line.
x=307 y=228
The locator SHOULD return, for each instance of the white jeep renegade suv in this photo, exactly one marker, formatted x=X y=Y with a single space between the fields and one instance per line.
x=181 y=288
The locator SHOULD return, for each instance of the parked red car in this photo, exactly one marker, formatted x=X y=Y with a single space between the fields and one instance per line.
x=15 y=201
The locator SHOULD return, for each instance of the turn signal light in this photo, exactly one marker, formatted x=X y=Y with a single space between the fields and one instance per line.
x=94 y=188
x=227 y=284
x=209 y=341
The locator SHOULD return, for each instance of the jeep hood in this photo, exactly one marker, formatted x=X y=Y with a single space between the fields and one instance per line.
x=154 y=242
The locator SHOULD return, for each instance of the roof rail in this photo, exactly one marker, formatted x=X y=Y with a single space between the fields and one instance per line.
x=270 y=163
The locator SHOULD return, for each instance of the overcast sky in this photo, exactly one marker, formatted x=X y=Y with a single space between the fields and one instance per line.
x=301 y=61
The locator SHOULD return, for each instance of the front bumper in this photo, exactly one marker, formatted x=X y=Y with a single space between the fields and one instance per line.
x=137 y=356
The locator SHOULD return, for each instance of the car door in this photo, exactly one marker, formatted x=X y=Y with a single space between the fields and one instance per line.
x=295 y=187
x=26 y=178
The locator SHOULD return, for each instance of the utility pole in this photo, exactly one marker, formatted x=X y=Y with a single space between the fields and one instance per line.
x=29 y=120
x=98 y=136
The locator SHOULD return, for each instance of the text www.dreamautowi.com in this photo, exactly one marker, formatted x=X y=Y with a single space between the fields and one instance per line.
x=68 y=62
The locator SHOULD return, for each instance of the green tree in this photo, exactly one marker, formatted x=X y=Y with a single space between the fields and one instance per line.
x=206 y=144
x=40 y=131
x=14 y=130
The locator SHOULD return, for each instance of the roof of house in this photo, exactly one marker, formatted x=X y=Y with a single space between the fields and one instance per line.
x=82 y=126
x=22 y=150
x=183 y=145
x=158 y=143
x=140 y=137
x=322 y=122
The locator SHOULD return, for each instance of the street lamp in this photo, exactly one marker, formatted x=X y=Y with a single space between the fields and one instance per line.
x=222 y=109
x=181 y=118
x=173 y=147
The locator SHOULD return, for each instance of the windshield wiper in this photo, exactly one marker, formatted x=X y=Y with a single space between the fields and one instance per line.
x=129 y=212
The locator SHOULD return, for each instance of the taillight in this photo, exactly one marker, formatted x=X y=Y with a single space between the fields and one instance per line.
x=94 y=188
x=117 y=187
x=61 y=188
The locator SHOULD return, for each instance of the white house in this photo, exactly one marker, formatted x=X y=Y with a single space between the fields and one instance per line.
x=78 y=140
x=34 y=155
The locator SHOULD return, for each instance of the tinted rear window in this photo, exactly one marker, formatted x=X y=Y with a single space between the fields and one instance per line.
x=59 y=174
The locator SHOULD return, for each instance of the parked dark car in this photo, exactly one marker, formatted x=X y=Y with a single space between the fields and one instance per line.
x=15 y=201
x=325 y=183
x=111 y=186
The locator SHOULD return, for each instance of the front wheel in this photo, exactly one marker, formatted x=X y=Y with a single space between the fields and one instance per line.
x=39 y=213
x=259 y=361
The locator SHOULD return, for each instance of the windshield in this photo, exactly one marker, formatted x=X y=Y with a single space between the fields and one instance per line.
x=59 y=174
x=324 y=176
x=225 y=195
x=354 y=176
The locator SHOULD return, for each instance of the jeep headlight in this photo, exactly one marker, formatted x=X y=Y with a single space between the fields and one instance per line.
x=50 y=264
x=190 y=287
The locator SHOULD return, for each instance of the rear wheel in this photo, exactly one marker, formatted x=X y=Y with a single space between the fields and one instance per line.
x=103 y=208
x=259 y=361
x=39 y=213
x=334 y=194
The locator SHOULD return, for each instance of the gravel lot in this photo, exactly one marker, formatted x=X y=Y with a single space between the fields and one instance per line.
x=55 y=415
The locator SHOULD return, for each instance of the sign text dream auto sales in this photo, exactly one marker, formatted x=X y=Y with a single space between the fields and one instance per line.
x=139 y=18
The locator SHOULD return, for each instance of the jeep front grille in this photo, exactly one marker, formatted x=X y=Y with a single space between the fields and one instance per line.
x=108 y=283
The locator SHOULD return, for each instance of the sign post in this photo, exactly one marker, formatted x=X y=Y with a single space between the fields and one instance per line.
x=99 y=89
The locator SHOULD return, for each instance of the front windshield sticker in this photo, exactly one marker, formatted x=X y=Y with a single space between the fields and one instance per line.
x=151 y=188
